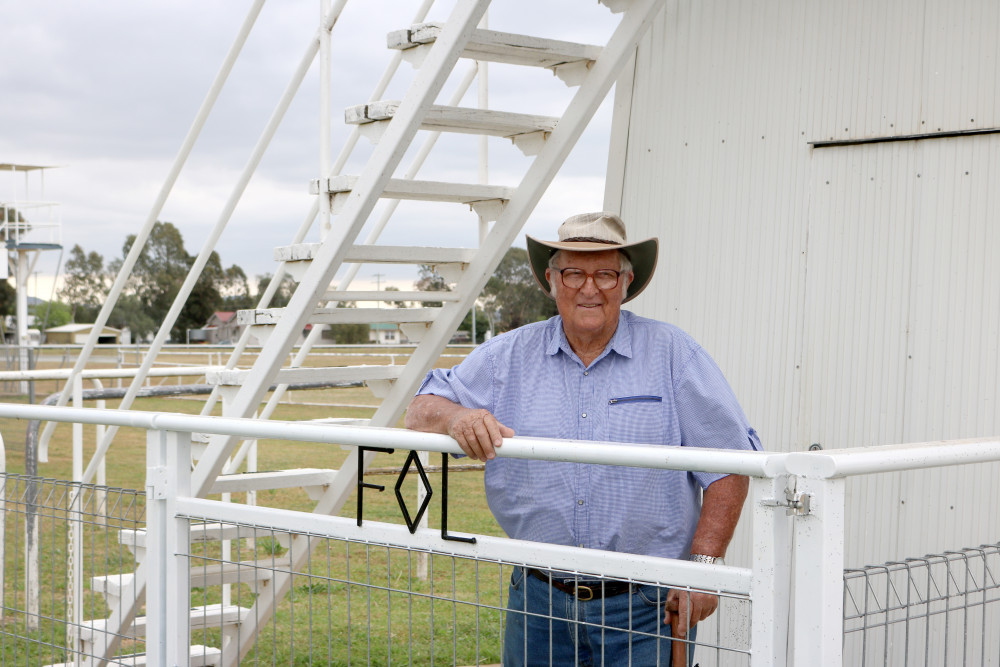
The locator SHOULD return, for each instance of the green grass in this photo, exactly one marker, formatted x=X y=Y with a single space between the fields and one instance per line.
x=325 y=618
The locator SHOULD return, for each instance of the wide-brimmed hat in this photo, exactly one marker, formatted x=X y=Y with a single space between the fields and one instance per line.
x=595 y=232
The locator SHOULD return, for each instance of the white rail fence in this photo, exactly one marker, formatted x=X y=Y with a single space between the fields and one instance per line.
x=353 y=587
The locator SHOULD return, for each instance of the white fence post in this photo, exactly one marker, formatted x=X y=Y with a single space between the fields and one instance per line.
x=772 y=557
x=168 y=592
x=818 y=575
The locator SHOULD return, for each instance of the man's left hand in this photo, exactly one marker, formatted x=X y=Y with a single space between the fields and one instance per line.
x=684 y=609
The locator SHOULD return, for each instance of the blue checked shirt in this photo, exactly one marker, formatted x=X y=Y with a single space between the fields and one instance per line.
x=652 y=384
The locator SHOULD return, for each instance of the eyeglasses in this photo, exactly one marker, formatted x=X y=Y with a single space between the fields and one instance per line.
x=577 y=278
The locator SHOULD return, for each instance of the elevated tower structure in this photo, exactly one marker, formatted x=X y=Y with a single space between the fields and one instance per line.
x=30 y=224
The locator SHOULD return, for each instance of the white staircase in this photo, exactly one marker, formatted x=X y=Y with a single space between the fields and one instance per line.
x=500 y=212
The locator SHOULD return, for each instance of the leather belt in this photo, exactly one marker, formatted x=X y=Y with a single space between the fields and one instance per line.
x=584 y=592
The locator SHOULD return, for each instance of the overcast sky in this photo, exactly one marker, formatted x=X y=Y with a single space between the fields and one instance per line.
x=107 y=90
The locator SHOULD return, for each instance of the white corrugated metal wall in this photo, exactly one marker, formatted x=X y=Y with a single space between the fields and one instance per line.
x=851 y=294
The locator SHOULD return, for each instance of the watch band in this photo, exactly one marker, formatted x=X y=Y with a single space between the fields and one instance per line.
x=702 y=558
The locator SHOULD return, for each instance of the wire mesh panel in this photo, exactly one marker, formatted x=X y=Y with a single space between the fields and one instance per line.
x=941 y=609
x=346 y=602
x=61 y=556
x=360 y=603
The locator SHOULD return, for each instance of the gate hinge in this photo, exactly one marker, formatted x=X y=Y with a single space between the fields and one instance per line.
x=156 y=482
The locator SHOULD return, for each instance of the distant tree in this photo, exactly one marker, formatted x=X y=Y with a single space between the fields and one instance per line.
x=85 y=284
x=131 y=313
x=50 y=314
x=482 y=324
x=396 y=304
x=347 y=334
x=12 y=223
x=204 y=299
x=284 y=291
x=430 y=280
x=8 y=298
x=159 y=271
x=513 y=294
x=156 y=279
x=235 y=290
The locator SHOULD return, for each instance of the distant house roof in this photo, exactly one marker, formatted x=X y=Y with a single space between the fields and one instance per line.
x=384 y=326
x=224 y=316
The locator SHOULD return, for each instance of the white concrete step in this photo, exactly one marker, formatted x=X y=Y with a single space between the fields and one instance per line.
x=527 y=131
x=500 y=47
x=200 y=532
x=236 y=377
x=201 y=656
x=209 y=616
x=112 y=586
x=271 y=316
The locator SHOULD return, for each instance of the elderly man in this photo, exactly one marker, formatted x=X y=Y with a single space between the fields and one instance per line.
x=596 y=372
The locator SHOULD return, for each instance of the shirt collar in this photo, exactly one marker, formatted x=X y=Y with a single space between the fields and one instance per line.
x=621 y=342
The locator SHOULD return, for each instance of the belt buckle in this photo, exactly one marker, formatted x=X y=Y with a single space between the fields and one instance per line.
x=584 y=589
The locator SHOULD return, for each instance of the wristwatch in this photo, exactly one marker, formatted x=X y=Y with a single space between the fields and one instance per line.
x=707 y=560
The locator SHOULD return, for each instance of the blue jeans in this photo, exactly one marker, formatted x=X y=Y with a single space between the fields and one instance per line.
x=546 y=626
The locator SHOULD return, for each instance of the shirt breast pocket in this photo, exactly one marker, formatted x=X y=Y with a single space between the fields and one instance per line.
x=637 y=418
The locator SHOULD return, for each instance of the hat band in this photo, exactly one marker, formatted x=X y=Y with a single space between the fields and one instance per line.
x=590 y=239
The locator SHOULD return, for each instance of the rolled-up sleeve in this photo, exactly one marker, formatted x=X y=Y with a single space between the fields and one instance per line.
x=470 y=384
x=708 y=412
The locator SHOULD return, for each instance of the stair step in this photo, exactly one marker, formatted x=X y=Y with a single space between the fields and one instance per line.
x=373 y=295
x=272 y=479
x=214 y=574
x=448 y=262
x=269 y=316
x=201 y=656
x=500 y=47
x=457 y=119
x=236 y=377
x=210 y=616
x=200 y=532
x=401 y=188
x=381 y=254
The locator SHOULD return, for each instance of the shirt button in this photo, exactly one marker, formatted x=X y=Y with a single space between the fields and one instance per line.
x=579 y=502
x=586 y=372
x=581 y=545
x=584 y=415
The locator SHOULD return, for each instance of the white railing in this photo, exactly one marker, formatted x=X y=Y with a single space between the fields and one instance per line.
x=797 y=502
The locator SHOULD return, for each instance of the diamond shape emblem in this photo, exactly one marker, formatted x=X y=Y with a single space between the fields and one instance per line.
x=413 y=459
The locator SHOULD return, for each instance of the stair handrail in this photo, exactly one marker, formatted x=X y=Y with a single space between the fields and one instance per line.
x=143 y=235
x=345 y=153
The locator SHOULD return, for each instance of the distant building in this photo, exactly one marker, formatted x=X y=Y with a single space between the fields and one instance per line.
x=385 y=333
x=77 y=334
x=221 y=329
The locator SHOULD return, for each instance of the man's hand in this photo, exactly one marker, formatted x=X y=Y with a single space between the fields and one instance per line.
x=478 y=433
x=684 y=610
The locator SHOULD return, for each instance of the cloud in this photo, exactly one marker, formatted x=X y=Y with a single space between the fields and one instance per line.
x=109 y=89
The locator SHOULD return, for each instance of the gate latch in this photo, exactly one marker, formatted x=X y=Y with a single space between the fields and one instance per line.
x=795 y=503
